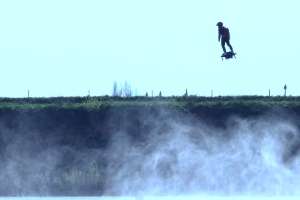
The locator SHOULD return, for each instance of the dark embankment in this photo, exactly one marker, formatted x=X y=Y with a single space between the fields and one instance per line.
x=102 y=150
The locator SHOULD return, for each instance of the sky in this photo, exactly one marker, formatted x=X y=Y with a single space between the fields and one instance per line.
x=68 y=47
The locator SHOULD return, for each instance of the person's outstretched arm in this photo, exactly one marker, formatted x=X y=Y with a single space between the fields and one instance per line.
x=219 y=36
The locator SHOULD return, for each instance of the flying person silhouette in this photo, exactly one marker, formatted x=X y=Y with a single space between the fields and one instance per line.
x=224 y=36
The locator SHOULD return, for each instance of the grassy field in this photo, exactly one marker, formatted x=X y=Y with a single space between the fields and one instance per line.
x=179 y=102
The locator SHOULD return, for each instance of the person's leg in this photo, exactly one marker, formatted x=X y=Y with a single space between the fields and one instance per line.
x=228 y=44
x=223 y=45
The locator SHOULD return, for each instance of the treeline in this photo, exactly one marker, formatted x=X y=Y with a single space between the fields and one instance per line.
x=185 y=98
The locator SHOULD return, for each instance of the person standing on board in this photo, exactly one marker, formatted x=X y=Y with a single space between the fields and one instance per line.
x=224 y=36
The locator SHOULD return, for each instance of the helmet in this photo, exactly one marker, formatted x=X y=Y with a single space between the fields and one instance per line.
x=219 y=24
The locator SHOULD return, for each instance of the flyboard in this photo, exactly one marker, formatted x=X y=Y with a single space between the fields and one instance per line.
x=228 y=55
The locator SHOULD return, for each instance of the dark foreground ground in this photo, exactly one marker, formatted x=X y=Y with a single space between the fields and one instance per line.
x=75 y=146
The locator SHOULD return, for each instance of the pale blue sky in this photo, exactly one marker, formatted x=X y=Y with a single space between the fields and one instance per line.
x=66 y=47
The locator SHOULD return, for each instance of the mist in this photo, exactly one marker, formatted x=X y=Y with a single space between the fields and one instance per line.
x=184 y=156
x=166 y=153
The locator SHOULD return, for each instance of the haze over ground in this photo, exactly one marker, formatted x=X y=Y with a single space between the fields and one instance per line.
x=65 y=48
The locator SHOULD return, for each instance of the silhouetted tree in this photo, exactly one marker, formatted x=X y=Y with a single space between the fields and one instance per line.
x=186 y=93
x=88 y=95
x=160 y=95
x=115 y=89
x=124 y=90
x=285 y=87
x=146 y=94
x=127 y=90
